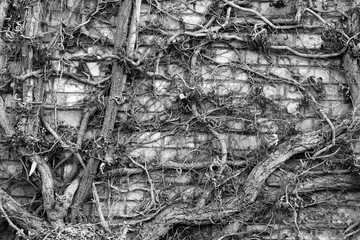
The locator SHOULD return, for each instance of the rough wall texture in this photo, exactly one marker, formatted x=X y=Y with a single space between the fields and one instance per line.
x=156 y=127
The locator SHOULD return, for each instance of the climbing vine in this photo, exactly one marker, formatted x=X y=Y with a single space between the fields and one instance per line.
x=175 y=87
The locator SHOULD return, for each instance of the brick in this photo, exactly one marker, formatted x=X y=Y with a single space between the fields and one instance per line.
x=22 y=190
x=337 y=76
x=66 y=85
x=223 y=56
x=236 y=124
x=117 y=208
x=154 y=105
x=272 y=92
x=150 y=39
x=55 y=19
x=242 y=142
x=65 y=99
x=137 y=195
x=5 y=152
x=94 y=69
x=148 y=139
x=293 y=93
x=140 y=87
x=283 y=39
x=145 y=8
x=99 y=50
x=92 y=134
x=201 y=6
x=293 y=107
x=339 y=109
x=56 y=64
x=355 y=147
x=267 y=10
x=161 y=86
x=183 y=179
x=8 y=100
x=175 y=155
x=227 y=88
x=323 y=73
x=202 y=138
x=209 y=87
x=267 y=126
x=10 y=169
x=240 y=75
x=23 y=200
x=101 y=30
x=71 y=4
x=167 y=155
x=145 y=116
x=307 y=72
x=190 y=21
x=177 y=8
x=280 y=72
x=144 y=154
x=173 y=70
x=171 y=177
x=252 y=57
x=333 y=92
x=292 y=60
x=307 y=125
x=69 y=118
x=216 y=73
x=308 y=41
x=178 y=141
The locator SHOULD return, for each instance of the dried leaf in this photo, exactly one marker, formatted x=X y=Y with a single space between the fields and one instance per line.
x=32 y=169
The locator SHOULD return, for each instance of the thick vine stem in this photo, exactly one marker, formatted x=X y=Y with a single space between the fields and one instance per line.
x=118 y=81
x=18 y=230
x=284 y=151
x=44 y=169
x=23 y=218
x=63 y=203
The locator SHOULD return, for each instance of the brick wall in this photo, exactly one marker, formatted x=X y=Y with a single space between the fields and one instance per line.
x=154 y=99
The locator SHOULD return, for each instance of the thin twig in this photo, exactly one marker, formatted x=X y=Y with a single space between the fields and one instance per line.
x=152 y=188
x=57 y=137
x=103 y=222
